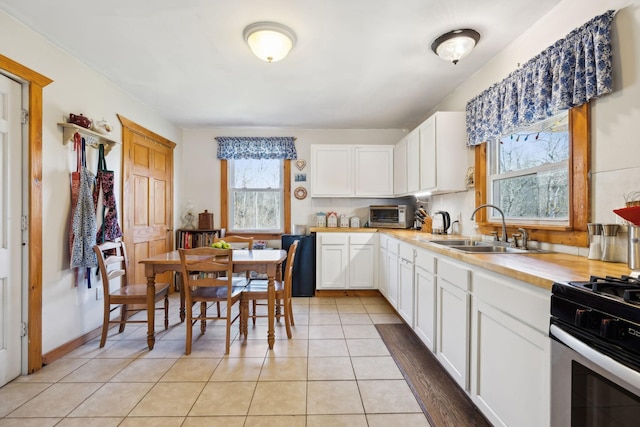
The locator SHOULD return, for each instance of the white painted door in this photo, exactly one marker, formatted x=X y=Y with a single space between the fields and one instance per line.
x=10 y=211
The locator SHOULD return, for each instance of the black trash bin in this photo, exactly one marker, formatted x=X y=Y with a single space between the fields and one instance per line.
x=304 y=267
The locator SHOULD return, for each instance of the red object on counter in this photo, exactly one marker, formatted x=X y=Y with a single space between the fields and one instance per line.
x=631 y=214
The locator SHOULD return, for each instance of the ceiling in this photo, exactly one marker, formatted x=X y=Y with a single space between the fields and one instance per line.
x=357 y=64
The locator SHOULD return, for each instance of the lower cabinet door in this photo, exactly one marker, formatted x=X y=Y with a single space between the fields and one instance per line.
x=392 y=279
x=406 y=291
x=383 y=272
x=452 y=349
x=510 y=368
x=362 y=263
x=425 y=313
x=334 y=265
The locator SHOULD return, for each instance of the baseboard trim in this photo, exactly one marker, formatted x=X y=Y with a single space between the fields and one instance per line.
x=348 y=293
x=69 y=346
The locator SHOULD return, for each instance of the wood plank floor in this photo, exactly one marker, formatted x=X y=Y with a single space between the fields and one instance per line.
x=441 y=399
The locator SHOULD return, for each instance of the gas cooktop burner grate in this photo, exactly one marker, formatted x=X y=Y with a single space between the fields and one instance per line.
x=624 y=287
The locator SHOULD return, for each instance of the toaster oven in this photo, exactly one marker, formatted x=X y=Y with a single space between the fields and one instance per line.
x=389 y=216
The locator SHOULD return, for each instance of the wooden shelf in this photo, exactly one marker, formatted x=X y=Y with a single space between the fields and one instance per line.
x=91 y=138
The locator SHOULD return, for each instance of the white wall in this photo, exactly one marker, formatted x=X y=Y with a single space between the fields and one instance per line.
x=69 y=311
x=615 y=117
x=202 y=184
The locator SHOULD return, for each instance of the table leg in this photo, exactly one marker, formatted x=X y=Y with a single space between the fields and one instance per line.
x=181 y=285
x=271 y=298
x=151 y=303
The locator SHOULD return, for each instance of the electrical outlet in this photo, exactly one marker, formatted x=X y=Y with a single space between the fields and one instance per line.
x=99 y=292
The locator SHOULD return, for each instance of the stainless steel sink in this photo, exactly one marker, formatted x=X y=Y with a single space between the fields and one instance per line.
x=458 y=242
x=489 y=249
x=484 y=247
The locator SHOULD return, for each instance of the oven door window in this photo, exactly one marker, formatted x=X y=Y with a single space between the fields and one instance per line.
x=597 y=402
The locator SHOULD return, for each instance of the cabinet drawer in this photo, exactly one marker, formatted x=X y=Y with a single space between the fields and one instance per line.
x=334 y=238
x=455 y=274
x=518 y=299
x=362 y=238
x=425 y=261
x=407 y=252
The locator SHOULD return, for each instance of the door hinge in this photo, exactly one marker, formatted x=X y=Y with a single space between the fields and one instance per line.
x=23 y=329
x=24 y=222
x=24 y=116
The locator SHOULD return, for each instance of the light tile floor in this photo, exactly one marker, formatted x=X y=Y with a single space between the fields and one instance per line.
x=336 y=371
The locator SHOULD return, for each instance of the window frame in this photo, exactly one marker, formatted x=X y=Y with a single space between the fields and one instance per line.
x=494 y=176
x=573 y=234
x=224 y=201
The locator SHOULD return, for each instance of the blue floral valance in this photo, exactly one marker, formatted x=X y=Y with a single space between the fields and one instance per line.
x=230 y=147
x=569 y=73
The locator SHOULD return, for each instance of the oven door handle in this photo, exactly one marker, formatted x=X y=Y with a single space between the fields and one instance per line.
x=617 y=369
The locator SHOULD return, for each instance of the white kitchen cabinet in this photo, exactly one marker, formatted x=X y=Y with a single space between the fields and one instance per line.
x=443 y=153
x=510 y=351
x=425 y=298
x=332 y=170
x=406 y=283
x=351 y=170
x=383 y=265
x=393 y=248
x=400 y=167
x=452 y=321
x=413 y=162
x=333 y=260
x=346 y=260
x=362 y=261
x=373 y=170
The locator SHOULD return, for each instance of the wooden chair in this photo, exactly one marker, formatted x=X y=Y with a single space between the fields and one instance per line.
x=257 y=290
x=236 y=242
x=206 y=274
x=113 y=263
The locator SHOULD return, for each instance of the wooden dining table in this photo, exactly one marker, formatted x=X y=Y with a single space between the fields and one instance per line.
x=265 y=261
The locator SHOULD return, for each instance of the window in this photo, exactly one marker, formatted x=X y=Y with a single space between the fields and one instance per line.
x=529 y=172
x=256 y=195
x=245 y=193
x=545 y=216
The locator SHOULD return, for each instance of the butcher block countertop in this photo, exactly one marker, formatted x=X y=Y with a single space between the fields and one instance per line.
x=539 y=269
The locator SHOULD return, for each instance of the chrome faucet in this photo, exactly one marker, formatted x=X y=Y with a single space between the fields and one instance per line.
x=525 y=237
x=504 y=224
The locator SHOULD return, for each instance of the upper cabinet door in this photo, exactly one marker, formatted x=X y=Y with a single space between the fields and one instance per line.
x=373 y=170
x=400 y=167
x=332 y=170
x=428 y=154
x=413 y=161
x=444 y=158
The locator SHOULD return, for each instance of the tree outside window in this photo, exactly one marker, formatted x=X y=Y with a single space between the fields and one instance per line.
x=529 y=172
x=256 y=195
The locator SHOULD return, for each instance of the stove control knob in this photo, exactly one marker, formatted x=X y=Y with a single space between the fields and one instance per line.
x=585 y=319
x=610 y=328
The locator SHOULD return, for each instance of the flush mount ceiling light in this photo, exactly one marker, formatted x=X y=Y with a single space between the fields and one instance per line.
x=455 y=45
x=269 y=41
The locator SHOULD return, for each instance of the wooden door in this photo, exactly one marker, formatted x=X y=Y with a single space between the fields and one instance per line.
x=147 y=200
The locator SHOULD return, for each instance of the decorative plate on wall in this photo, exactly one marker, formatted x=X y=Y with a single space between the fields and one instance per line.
x=300 y=193
x=300 y=164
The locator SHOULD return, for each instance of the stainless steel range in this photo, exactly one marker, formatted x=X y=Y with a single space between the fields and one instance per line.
x=595 y=368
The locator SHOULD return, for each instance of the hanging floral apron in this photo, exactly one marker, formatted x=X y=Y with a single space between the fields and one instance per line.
x=84 y=224
x=110 y=229
x=75 y=185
